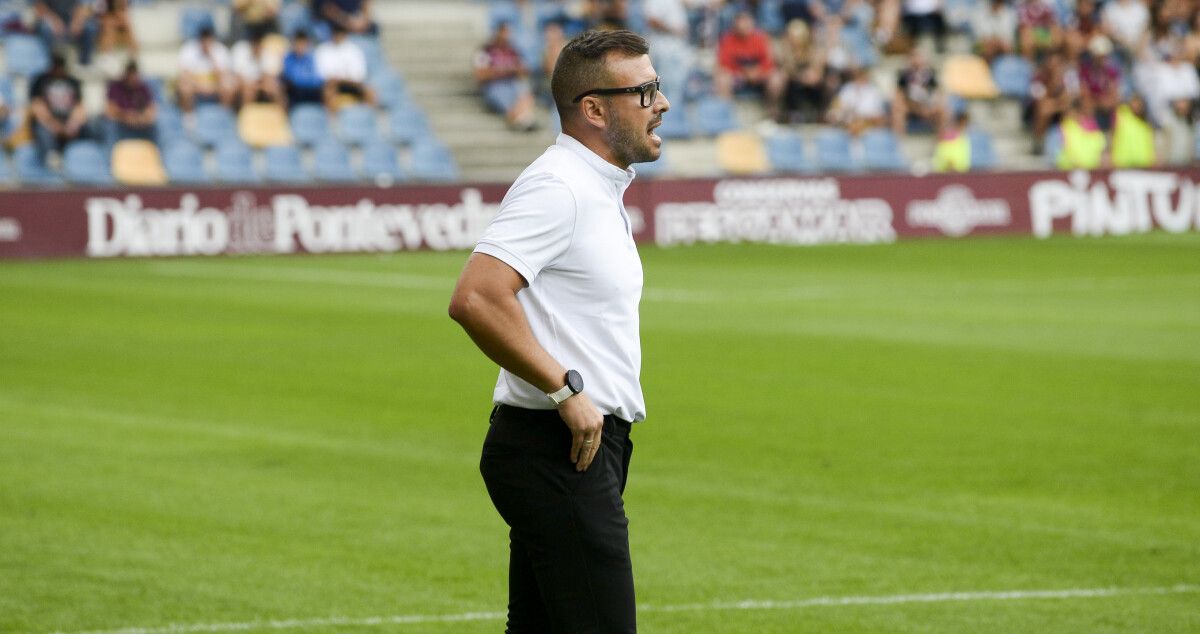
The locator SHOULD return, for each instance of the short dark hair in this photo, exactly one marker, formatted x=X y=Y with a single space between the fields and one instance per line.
x=581 y=65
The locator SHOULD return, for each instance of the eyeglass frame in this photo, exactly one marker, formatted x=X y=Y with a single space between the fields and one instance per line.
x=641 y=90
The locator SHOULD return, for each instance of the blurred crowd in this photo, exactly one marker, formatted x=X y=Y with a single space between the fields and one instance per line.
x=1097 y=73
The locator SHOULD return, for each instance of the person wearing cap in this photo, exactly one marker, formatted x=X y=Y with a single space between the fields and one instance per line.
x=205 y=72
x=130 y=106
x=56 y=106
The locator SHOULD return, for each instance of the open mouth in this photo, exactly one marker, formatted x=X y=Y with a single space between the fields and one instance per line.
x=650 y=130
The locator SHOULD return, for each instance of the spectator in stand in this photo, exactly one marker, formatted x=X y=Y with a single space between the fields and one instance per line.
x=1083 y=140
x=253 y=18
x=130 y=106
x=917 y=97
x=1054 y=86
x=352 y=16
x=838 y=59
x=1133 y=137
x=608 y=14
x=859 y=105
x=925 y=17
x=1082 y=28
x=1191 y=42
x=504 y=80
x=1101 y=80
x=56 y=106
x=809 y=85
x=256 y=72
x=745 y=64
x=668 y=37
x=1127 y=22
x=1038 y=31
x=116 y=31
x=71 y=22
x=205 y=72
x=953 y=150
x=344 y=67
x=554 y=38
x=301 y=80
x=1172 y=90
x=994 y=26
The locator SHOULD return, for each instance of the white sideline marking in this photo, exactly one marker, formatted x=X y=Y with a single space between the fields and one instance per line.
x=406 y=619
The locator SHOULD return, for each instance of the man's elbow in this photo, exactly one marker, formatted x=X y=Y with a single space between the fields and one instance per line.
x=462 y=304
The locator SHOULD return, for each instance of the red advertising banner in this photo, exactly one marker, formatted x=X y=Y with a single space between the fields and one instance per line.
x=798 y=210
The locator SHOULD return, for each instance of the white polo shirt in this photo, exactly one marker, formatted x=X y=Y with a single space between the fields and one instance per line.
x=563 y=227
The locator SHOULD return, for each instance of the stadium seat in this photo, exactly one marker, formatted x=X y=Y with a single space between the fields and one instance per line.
x=192 y=20
x=432 y=161
x=7 y=175
x=833 y=151
x=25 y=55
x=390 y=88
x=331 y=163
x=214 y=125
x=31 y=171
x=968 y=76
x=983 y=151
x=741 y=153
x=264 y=125
x=714 y=116
x=235 y=163
x=356 y=124
x=284 y=165
x=137 y=162
x=294 y=17
x=372 y=52
x=675 y=124
x=85 y=163
x=380 y=162
x=168 y=123
x=310 y=123
x=408 y=125
x=1012 y=75
x=862 y=48
x=184 y=164
x=770 y=16
x=881 y=150
x=787 y=153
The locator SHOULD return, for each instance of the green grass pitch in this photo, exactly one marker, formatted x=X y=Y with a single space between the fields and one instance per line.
x=202 y=442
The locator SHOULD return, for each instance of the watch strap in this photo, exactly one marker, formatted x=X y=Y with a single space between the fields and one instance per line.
x=561 y=395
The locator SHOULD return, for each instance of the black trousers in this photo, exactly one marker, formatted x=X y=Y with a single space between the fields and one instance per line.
x=569 y=567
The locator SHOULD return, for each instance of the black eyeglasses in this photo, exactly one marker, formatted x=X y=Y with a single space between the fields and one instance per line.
x=647 y=91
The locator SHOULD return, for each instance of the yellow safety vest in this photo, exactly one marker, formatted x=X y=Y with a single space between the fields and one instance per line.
x=1082 y=148
x=953 y=154
x=1133 y=140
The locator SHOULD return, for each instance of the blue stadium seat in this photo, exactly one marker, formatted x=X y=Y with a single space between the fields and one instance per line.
x=380 y=161
x=714 y=116
x=881 y=151
x=184 y=163
x=1051 y=146
x=86 y=163
x=214 y=125
x=25 y=55
x=331 y=163
x=390 y=88
x=1013 y=75
x=192 y=20
x=7 y=175
x=372 y=52
x=168 y=123
x=432 y=161
x=284 y=165
x=770 y=16
x=356 y=124
x=675 y=124
x=861 y=47
x=833 y=151
x=787 y=153
x=408 y=125
x=31 y=171
x=310 y=123
x=158 y=87
x=294 y=17
x=235 y=163
x=983 y=152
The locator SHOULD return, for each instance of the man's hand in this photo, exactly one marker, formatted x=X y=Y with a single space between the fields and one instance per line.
x=586 y=424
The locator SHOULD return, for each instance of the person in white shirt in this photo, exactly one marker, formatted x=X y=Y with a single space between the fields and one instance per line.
x=1127 y=22
x=859 y=105
x=257 y=71
x=551 y=295
x=342 y=63
x=205 y=72
x=994 y=26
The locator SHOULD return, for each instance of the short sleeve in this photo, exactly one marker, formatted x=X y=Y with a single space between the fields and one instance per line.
x=534 y=226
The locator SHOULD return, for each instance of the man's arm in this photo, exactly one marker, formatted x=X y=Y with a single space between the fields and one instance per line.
x=485 y=305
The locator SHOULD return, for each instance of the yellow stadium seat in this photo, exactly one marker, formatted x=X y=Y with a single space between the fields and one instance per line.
x=742 y=153
x=274 y=49
x=264 y=125
x=968 y=76
x=137 y=162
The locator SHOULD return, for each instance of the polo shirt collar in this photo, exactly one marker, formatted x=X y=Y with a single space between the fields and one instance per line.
x=609 y=171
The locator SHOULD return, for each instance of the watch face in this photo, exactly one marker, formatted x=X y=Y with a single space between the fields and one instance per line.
x=574 y=381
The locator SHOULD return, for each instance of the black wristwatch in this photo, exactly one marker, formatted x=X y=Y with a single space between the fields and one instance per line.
x=574 y=386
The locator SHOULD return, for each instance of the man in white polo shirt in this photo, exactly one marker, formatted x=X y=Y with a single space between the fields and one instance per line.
x=551 y=294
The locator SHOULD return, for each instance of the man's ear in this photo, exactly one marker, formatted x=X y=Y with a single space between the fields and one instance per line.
x=594 y=113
